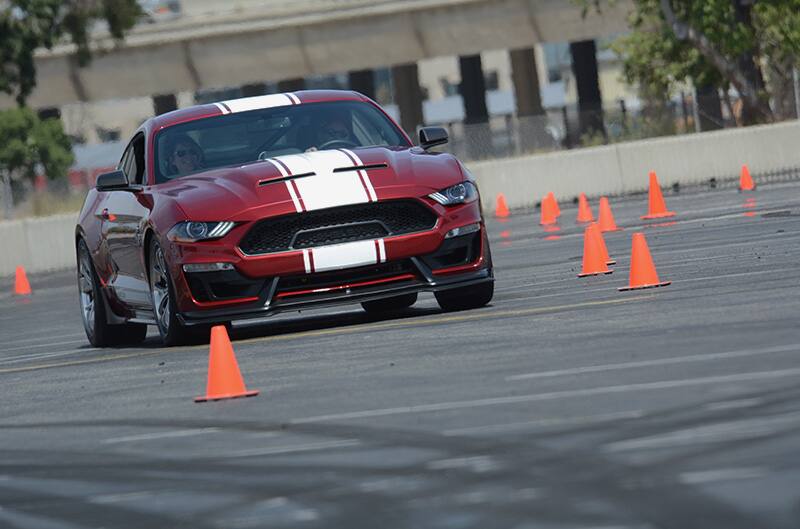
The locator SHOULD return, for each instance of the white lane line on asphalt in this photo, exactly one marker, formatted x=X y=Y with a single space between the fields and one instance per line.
x=740 y=274
x=722 y=474
x=295 y=448
x=733 y=404
x=21 y=520
x=477 y=464
x=714 y=433
x=159 y=435
x=116 y=498
x=655 y=362
x=554 y=395
x=62 y=333
x=543 y=423
x=42 y=356
x=65 y=331
x=40 y=345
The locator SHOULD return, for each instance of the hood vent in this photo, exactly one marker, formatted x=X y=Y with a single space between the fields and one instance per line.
x=361 y=167
x=283 y=179
x=337 y=170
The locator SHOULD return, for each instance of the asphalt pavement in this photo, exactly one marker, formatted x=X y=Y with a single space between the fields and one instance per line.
x=564 y=404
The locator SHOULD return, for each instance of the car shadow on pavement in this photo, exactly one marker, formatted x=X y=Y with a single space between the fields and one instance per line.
x=305 y=323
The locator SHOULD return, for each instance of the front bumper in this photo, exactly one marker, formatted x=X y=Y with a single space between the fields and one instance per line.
x=263 y=285
x=266 y=306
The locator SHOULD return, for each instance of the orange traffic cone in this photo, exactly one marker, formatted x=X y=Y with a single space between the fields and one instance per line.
x=656 y=207
x=21 y=285
x=547 y=213
x=501 y=209
x=594 y=262
x=584 y=211
x=601 y=243
x=552 y=198
x=224 y=378
x=643 y=271
x=746 y=181
x=605 y=219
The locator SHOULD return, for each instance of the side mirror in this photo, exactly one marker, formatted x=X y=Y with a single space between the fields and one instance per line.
x=432 y=136
x=113 y=181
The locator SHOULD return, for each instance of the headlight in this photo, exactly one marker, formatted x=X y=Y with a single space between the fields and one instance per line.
x=199 y=231
x=458 y=194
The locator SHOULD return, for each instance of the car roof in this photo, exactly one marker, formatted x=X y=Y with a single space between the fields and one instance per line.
x=249 y=103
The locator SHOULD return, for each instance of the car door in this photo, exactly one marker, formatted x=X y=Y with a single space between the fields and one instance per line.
x=123 y=217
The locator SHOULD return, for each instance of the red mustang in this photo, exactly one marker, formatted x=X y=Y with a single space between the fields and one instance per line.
x=280 y=202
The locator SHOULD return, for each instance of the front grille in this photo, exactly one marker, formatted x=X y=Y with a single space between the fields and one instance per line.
x=337 y=225
x=337 y=234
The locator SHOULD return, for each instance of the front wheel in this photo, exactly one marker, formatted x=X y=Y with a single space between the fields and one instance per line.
x=465 y=298
x=93 y=309
x=162 y=293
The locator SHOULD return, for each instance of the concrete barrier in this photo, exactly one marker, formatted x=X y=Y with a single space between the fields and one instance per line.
x=624 y=167
x=39 y=244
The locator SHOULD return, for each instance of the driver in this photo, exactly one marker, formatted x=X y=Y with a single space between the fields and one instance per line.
x=185 y=156
x=332 y=130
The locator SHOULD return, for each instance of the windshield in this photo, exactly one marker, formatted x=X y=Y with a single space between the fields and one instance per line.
x=241 y=138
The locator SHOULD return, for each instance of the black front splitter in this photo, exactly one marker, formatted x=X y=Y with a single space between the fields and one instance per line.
x=345 y=297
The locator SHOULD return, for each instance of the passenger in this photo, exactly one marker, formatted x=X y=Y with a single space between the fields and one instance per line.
x=185 y=156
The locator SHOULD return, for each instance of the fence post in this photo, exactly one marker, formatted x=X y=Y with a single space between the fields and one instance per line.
x=796 y=79
x=8 y=200
x=567 y=135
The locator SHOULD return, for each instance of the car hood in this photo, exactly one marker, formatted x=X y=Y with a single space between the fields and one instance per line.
x=245 y=193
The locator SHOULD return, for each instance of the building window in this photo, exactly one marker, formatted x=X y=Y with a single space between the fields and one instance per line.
x=492 y=80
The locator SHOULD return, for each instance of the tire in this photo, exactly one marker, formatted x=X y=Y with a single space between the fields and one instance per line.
x=393 y=304
x=93 y=309
x=162 y=296
x=465 y=298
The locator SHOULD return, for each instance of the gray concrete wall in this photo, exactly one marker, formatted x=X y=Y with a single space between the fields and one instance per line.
x=39 y=244
x=624 y=167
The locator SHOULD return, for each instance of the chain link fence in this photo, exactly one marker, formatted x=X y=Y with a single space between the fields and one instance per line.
x=560 y=129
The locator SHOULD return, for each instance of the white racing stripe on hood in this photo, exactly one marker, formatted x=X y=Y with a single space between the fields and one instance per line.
x=289 y=184
x=326 y=189
x=363 y=174
x=258 y=102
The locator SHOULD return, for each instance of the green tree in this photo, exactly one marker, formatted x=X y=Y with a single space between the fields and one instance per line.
x=659 y=63
x=26 y=25
x=729 y=43
x=31 y=146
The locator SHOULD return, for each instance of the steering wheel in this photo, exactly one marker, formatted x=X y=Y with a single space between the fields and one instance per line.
x=343 y=143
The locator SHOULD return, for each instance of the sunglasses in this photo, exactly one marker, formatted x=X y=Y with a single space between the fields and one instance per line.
x=180 y=153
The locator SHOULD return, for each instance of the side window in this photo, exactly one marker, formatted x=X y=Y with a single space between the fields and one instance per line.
x=137 y=168
x=132 y=163
x=125 y=161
